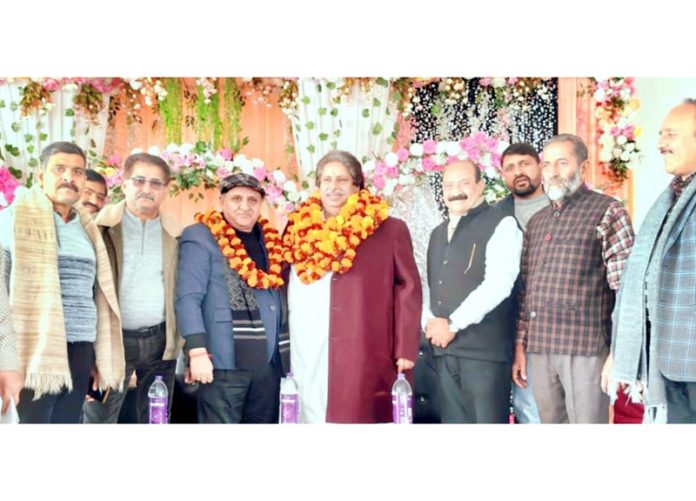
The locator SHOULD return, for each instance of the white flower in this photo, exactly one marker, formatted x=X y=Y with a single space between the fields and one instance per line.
x=368 y=166
x=3 y=200
x=599 y=95
x=241 y=162
x=172 y=148
x=630 y=147
x=625 y=94
x=136 y=150
x=70 y=86
x=625 y=156
x=293 y=196
x=290 y=187
x=390 y=186
x=257 y=163
x=452 y=148
x=605 y=155
x=185 y=148
x=304 y=195
x=498 y=82
x=279 y=176
x=406 y=179
x=441 y=148
x=617 y=152
x=135 y=84
x=391 y=159
x=463 y=155
x=621 y=139
x=416 y=150
x=153 y=150
x=491 y=172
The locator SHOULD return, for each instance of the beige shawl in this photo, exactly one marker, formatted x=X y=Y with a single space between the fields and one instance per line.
x=37 y=309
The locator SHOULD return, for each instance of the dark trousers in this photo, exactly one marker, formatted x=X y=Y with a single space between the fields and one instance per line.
x=473 y=391
x=143 y=349
x=681 y=401
x=66 y=406
x=237 y=396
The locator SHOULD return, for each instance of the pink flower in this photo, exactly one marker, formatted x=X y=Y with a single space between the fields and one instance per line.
x=491 y=143
x=114 y=160
x=260 y=173
x=474 y=154
x=495 y=160
x=451 y=160
x=428 y=164
x=378 y=181
x=222 y=173
x=273 y=192
x=402 y=154
x=485 y=82
x=429 y=147
x=512 y=80
x=392 y=172
x=289 y=206
x=380 y=168
x=226 y=153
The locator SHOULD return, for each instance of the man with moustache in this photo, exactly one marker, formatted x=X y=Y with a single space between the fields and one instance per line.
x=473 y=262
x=64 y=318
x=95 y=192
x=521 y=171
x=143 y=249
x=574 y=254
x=655 y=329
x=354 y=298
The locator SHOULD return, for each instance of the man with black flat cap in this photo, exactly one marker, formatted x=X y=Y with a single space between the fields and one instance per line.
x=229 y=306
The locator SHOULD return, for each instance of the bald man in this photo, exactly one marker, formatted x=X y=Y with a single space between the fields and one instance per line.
x=473 y=262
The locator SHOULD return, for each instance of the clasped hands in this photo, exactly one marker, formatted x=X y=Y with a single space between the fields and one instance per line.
x=437 y=330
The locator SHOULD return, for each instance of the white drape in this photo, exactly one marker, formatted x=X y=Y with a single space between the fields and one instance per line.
x=360 y=124
x=61 y=123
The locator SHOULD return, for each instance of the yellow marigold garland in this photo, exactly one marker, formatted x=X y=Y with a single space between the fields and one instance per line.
x=316 y=246
x=238 y=258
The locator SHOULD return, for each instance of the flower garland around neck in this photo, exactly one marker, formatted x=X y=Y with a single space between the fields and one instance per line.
x=317 y=247
x=238 y=258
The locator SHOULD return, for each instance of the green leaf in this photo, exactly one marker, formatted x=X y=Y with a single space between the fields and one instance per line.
x=322 y=112
x=331 y=85
x=12 y=150
x=15 y=126
x=435 y=109
x=14 y=106
x=33 y=162
x=43 y=136
x=290 y=149
x=334 y=112
x=28 y=138
x=377 y=129
x=15 y=172
x=397 y=96
x=305 y=99
x=298 y=128
x=337 y=133
x=318 y=87
x=381 y=81
x=334 y=145
x=311 y=148
x=309 y=125
x=376 y=102
x=30 y=149
x=2 y=103
x=69 y=112
x=30 y=180
x=365 y=113
x=92 y=143
x=323 y=136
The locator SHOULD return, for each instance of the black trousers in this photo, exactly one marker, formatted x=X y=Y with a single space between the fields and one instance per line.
x=473 y=391
x=66 y=406
x=681 y=401
x=237 y=396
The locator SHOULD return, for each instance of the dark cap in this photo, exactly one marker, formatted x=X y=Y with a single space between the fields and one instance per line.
x=241 y=179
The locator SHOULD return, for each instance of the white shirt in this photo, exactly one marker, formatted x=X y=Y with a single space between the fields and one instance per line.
x=503 y=255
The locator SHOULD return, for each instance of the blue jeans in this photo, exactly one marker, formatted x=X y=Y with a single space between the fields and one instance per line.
x=524 y=404
x=143 y=349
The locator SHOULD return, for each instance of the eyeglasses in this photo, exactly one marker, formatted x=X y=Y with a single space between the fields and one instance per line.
x=155 y=184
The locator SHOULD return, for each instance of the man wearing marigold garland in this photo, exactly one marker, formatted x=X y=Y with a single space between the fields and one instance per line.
x=473 y=262
x=230 y=308
x=354 y=298
x=142 y=247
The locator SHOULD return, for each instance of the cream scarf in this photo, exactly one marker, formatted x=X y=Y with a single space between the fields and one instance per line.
x=37 y=308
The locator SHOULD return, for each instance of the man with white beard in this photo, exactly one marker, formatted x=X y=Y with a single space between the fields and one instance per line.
x=573 y=258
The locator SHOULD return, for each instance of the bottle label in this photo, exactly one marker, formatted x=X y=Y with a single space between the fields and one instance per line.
x=158 y=410
x=288 y=409
x=402 y=406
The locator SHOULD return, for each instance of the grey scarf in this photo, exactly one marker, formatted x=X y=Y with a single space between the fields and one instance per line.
x=631 y=355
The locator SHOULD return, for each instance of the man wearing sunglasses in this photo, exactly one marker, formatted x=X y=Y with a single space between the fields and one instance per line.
x=143 y=249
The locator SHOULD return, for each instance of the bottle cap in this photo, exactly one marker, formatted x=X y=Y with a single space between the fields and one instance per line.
x=158 y=378
x=289 y=374
x=401 y=375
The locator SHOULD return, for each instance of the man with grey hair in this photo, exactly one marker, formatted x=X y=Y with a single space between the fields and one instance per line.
x=64 y=313
x=573 y=258
x=143 y=249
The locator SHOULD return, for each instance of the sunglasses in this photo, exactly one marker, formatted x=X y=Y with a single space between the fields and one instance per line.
x=155 y=184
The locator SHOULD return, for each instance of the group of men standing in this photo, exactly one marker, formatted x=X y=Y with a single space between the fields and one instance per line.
x=521 y=294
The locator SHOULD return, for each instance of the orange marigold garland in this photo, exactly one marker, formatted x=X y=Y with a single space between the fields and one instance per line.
x=238 y=258
x=317 y=247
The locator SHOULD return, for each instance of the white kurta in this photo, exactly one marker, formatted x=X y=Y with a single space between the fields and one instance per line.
x=308 y=316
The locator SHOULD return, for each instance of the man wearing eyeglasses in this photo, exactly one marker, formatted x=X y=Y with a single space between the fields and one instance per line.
x=473 y=262
x=95 y=192
x=143 y=250
x=64 y=321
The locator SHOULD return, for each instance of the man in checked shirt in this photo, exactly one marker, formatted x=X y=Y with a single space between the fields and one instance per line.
x=573 y=257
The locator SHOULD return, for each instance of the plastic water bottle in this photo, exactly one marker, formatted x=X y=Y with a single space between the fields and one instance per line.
x=159 y=401
x=402 y=401
x=289 y=400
